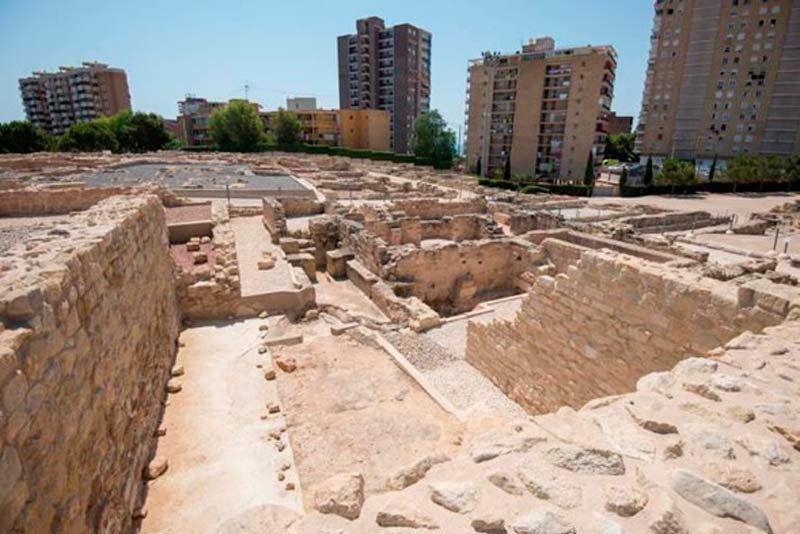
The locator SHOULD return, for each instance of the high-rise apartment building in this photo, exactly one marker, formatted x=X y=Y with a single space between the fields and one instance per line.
x=54 y=101
x=545 y=110
x=723 y=80
x=386 y=68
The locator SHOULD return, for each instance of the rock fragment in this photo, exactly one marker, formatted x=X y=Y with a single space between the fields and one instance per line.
x=342 y=495
x=458 y=497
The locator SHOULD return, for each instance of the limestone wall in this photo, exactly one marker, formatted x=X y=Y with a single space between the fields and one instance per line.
x=88 y=335
x=432 y=208
x=609 y=320
x=68 y=197
x=453 y=278
x=274 y=218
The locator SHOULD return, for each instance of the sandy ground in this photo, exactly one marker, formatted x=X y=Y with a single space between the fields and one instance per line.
x=252 y=240
x=742 y=205
x=221 y=466
x=350 y=408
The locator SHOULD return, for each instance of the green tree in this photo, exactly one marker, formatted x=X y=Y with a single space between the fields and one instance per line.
x=675 y=172
x=478 y=167
x=740 y=170
x=623 y=179
x=588 y=175
x=287 y=128
x=648 y=172
x=92 y=136
x=237 y=127
x=22 y=137
x=507 y=168
x=621 y=147
x=138 y=132
x=432 y=139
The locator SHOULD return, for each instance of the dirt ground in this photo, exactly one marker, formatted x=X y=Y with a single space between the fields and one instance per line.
x=350 y=408
x=221 y=464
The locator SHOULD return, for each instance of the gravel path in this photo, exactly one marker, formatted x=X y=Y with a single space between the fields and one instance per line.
x=439 y=355
x=453 y=336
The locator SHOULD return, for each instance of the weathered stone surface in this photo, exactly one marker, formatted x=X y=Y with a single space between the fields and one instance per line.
x=649 y=421
x=403 y=515
x=342 y=495
x=174 y=386
x=732 y=477
x=494 y=444
x=625 y=501
x=716 y=500
x=586 y=460
x=546 y=485
x=541 y=522
x=459 y=497
x=285 y=363
x=412 y=473
x=507 y=483
x=489 y=524
x=156 y=467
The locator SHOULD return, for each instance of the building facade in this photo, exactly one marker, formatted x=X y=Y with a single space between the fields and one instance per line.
x=723 y=80
x=193 y=119
x=301 y=103
x=365 y=129
x=543 y=110
x=389 y=69
x=317 y=126
x=619 y=124
x=54 y=101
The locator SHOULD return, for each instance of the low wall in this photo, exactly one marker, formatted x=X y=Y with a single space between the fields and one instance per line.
x=59 y=199
x=87 y=340
x=608 y=321
x=274 y=218
x=427 y=208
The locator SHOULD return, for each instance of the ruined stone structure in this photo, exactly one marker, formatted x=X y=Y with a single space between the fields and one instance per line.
x=88 y=341
x=535 y=363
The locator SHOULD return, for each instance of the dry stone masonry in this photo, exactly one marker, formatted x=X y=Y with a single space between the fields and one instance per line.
x=655 y=350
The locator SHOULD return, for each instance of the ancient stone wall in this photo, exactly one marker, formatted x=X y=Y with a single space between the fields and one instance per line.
x=608 y=321
x=301 y=207
x=88 y=336
x=69 y=197
x=453 y=278
x=274 y=218
x=432 y=208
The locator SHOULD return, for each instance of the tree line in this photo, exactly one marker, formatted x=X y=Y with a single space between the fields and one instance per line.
x=238 y=127
x=124 y=132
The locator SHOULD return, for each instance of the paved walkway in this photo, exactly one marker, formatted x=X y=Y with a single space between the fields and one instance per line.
x=252 y=240
x=222 y=468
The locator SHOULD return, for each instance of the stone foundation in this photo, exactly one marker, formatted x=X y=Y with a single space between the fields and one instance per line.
x=87 y=340
x=608 y=321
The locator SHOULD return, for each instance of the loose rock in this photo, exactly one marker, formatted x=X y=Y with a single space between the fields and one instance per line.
x=342 y=495
x=459 y=497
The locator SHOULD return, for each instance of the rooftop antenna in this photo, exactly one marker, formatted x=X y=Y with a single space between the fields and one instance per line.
x=246 y=90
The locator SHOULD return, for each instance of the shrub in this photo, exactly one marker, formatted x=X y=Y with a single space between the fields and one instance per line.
x=88 y=137
x=22 y=137
x=533 y=189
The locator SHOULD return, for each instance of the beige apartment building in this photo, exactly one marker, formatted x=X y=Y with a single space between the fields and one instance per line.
x=723 y=80
x=544 y=108
x=54 y=101
x=365 y=129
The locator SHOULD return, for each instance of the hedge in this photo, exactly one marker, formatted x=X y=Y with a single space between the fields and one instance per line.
x=342 y=151
x=498 y=184
x=533 y=189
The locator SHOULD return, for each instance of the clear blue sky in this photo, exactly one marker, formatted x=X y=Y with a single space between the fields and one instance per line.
x=212 y=48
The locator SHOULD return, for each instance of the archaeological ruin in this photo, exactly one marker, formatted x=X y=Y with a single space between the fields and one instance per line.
x=295 y=343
